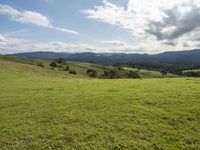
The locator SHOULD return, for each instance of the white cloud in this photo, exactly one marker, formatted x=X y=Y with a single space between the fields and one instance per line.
x=118 y=46
x=157 y=25
x=115 y=43
x=9 y=41
x=10 y=44
x=16 y=45
x=7 y=10
x=67 y=31
x=31 y=17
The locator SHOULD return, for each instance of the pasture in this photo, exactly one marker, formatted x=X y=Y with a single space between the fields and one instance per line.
x=43 y=109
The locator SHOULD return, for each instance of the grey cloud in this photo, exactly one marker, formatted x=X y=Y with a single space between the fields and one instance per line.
x=183 y=23
x=171 y=43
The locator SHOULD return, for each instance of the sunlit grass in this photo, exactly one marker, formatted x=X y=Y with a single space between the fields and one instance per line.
x=39 y=110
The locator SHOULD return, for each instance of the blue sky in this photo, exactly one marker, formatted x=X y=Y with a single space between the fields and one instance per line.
x=130 y=26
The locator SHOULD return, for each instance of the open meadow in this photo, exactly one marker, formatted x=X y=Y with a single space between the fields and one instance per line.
x=42 y=109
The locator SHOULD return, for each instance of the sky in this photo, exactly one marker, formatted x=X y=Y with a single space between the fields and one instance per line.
x=101 y=26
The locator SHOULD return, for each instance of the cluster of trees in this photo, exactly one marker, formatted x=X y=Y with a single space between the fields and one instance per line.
x=113 y=74
x=110 y=74
x=191 y=74
x=61 y=63
x=163 y=67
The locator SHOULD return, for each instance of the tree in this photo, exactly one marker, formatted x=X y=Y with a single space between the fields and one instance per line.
x=72 y=72
x=138 y=68
x=41 y=65
x=66 y=68
x=133 y=74
x=92 y=73
x=163 y=72
x=110 y=74
x=61 y=61
x=53 y=64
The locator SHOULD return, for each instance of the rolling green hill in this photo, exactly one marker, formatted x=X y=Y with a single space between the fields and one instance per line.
x=82 y=67
x=42 y=108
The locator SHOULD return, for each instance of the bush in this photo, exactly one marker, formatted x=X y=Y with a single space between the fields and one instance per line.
x=192 y=74
x=41 y=65
x=66 y=68
x=61 y=62
x=92 y=73
x=72 y=72
x=53 y=64
x=133 y=74
x=110 y=74
x=163 y=72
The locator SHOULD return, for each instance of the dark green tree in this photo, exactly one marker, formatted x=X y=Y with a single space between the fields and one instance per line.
x=133 y=74
x=53 y=64
x=92 y=73
x=163 y=72
x=66 y=68
x=72 y=72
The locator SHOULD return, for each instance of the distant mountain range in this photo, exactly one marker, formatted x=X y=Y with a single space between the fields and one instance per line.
x=191 y=57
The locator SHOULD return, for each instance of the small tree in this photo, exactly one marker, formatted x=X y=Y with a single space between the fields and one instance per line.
x=66 y=68
x=133 y=74
x=41 y=65
x=138 y=68
x=72 y=72
x=110 y=74
x=61 y=62
x=163 y=72
x=53 y=64
x=92 y=73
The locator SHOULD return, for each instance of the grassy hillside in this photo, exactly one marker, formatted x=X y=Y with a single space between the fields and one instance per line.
x=40 y=109
x=82 y=67
x=26 y=67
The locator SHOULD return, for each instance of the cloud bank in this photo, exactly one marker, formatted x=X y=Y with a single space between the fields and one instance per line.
x=10 y=45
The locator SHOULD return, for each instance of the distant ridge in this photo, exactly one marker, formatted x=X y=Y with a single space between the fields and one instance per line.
x=190 y=57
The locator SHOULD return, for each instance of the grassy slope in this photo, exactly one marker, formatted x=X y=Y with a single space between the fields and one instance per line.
x=27 y=67
x=39 y=110
x=82 y=67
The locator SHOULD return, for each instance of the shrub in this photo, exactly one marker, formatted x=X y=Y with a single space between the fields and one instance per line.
x=66 y=68
x=192 y=74
x=133 y=74
x=163 y=72
x=110 y=74
x=41 y=65
x=92 y=73
x=61 y=62
x=53 y=64
x=72 y=72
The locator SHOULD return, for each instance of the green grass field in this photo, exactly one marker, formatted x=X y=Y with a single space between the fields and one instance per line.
x=44 y=109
